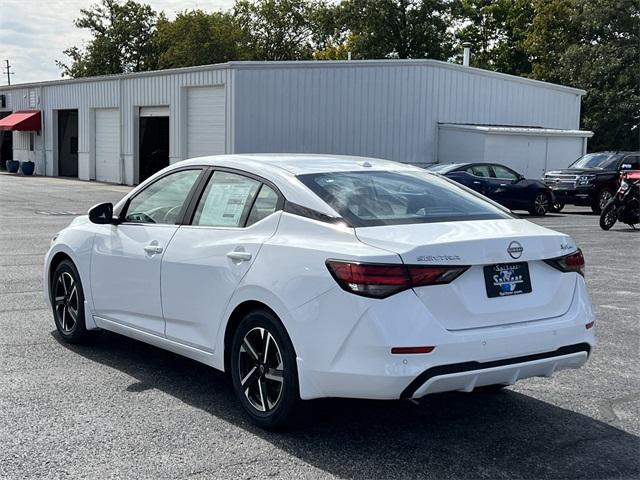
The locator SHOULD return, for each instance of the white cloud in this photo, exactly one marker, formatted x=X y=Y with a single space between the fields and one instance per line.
x=33 y=33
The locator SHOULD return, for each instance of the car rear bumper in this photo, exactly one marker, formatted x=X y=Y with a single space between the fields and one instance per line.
x=469 y=375
x=364 y=367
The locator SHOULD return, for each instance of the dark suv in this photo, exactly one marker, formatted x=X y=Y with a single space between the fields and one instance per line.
x=591 y=180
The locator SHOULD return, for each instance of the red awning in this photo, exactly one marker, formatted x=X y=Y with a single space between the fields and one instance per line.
x=28 y=121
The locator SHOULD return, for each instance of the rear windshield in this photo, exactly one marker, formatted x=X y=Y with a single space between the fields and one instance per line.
x=596 y=160
x=368 y=199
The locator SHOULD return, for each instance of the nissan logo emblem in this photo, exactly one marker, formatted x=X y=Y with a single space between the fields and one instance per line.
x=515 y=250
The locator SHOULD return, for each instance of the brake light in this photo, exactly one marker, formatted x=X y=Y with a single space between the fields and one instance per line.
x=574 y=262
x=383 y=280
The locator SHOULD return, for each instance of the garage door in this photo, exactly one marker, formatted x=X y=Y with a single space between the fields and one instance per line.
x=205 y=121
x=108 y=145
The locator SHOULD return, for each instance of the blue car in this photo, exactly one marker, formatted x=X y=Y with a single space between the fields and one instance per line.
x=501 y=184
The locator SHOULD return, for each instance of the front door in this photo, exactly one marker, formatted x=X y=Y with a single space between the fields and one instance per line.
x=206 y=261
x=126 y=258
x=508 y=189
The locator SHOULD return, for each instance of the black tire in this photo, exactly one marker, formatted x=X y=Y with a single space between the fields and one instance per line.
x=608 y=216
x=541 y=204
x=557 y=207
x=600 y=201
x=271 y=404
x=67 y=303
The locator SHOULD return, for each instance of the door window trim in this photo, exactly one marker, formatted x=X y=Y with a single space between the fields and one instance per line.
x=185 y=205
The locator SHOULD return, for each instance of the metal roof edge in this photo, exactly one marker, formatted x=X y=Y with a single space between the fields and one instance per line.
x=117 y=76
x=517 y=130
x=242 y=65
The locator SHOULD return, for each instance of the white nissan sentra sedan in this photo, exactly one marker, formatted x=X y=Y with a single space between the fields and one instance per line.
x=308 y=276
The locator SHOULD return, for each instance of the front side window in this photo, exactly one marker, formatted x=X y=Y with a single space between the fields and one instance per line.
x=631 y=163
x=504 y=173
x=395 y=198
x=162 y=201
x=480 y=171
x=226 y=201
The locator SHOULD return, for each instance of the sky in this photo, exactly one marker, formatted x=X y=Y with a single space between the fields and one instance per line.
x=33 y=33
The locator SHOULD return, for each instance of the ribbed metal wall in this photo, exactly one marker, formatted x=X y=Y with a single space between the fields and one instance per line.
x=127 y=93
x=384 y=109
x=387 y=109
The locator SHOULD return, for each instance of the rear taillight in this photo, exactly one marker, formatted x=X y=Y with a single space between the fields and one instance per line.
x=574 y=262
x=382 y=280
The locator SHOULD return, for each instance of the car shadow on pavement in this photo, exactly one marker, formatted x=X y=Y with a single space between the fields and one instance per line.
x=455 y=435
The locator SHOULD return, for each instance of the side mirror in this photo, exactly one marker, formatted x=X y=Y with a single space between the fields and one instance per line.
x=102 y=214
x=519 y=179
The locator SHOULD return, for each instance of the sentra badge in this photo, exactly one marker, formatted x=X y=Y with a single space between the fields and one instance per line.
x=438 y=258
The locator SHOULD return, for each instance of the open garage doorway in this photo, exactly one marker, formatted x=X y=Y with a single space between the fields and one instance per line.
x=154 y=141
x=6 y=144
x=68 y=143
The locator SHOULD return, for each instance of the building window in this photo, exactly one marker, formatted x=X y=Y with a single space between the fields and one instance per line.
x=32 y=141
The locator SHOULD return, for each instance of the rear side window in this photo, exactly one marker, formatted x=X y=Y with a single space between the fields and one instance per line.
x=395 y=198
x=226 y=201
x=266 y=203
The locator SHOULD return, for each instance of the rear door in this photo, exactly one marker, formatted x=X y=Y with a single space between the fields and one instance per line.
x=126 y=258
x=207 y=259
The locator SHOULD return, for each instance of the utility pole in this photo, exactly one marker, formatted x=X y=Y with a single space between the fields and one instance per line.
x=8 y=71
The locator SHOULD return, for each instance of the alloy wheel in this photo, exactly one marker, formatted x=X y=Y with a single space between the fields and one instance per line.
x=605 y=196
x=260 y=369
x=66 y=301
x=541 y=204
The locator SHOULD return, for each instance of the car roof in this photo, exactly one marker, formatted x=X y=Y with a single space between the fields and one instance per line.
x=281 y=169
x=297 y=163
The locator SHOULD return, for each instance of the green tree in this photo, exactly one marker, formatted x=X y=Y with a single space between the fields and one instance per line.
x=122 y=40
x=593 y=45
x=199 y=38
x=399 y=28
x=497 y=31
x=277 y=29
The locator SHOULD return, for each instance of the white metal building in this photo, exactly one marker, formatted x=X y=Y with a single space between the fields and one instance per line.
x=122 y=128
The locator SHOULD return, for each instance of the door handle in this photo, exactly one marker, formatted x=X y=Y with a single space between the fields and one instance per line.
x=503 y=184
x=239 y=256
x=476 y=182
x=153 y=249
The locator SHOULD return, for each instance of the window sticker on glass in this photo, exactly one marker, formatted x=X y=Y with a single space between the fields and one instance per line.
x=225 y=200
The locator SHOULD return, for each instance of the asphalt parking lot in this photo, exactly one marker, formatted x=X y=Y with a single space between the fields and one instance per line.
x=121 y=409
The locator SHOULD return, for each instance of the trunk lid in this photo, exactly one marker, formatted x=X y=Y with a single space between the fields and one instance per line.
x=464 y=303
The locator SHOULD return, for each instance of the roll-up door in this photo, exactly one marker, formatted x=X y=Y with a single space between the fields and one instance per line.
x=205 y=121
x=108 y=145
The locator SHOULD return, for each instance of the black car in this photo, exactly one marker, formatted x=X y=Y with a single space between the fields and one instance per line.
x=500 y=184
x=591 y=180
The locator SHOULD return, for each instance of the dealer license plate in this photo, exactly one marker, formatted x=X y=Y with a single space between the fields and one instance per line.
x=507 y=279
